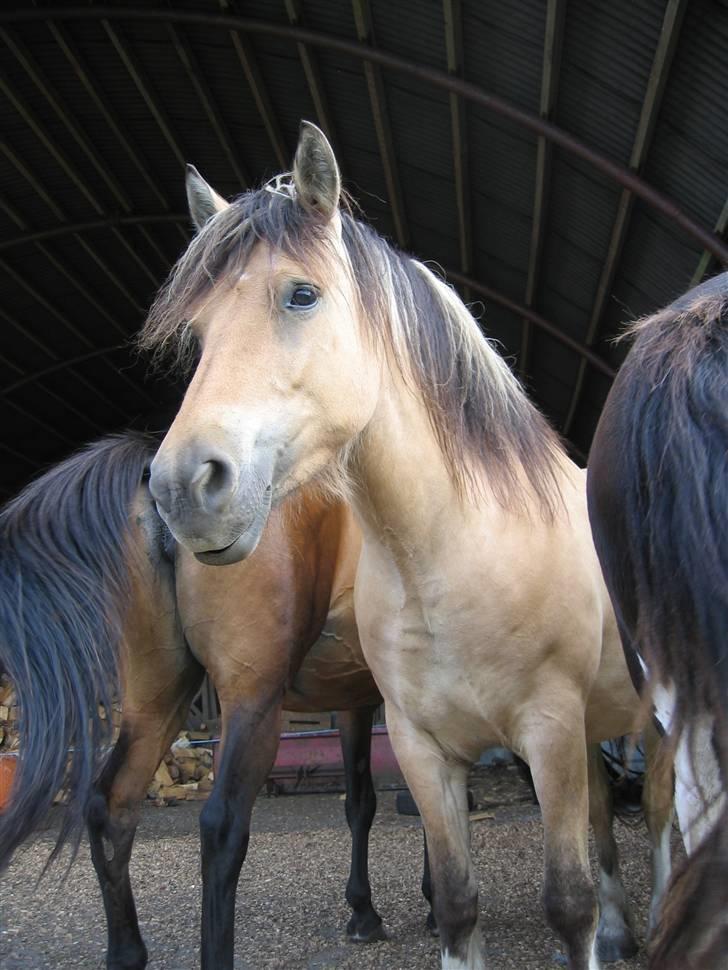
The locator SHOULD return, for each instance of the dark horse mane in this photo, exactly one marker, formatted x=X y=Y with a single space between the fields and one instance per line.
x=65 y=578
x=658 y=496
x=487 y=429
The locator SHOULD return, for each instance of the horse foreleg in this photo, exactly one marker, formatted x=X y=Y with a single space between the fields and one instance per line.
x=555 y=749
x=251 y=730
x=658 y=807
x=615 y=932
x=439 y=786
x=355 y=728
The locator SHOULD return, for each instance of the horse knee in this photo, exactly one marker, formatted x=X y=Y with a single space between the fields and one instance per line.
x=223 y=830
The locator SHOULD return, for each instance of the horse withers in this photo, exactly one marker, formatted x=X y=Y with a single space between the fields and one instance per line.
x=658 y=501
x=327 y=356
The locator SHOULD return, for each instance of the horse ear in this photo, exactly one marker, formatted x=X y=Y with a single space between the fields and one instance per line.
x=202 y=199
x=315 y=172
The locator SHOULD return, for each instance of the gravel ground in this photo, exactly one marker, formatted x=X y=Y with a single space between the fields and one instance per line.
x=291 y=909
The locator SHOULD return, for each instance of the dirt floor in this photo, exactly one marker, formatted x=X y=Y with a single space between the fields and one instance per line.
x=291 y=907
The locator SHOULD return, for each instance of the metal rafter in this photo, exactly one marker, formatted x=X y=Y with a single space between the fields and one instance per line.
x=90 y=85
x=311 y=69
x=669 y=34
x=207 y=100
x=34 y=72
x=491 y=293
x=24 y=378
x=399 y=65
x=61 y=37
x=550 y=71
x=73 y=227
x=382 y=125
x=44 y=347
x=539 y=321
x=707 y=258
x=42 y=134
x=254 y=77
x=35 y=377
x=58 y=212
x=452 y=10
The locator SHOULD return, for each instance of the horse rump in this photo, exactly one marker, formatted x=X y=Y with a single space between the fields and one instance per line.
x=658 y=497
x=64 y=586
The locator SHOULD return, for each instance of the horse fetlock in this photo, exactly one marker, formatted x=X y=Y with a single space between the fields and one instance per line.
x=571 y=910
x=132 y=956
x=431 y=925
x=365 y=926
x=615 y=935
x=457 y=921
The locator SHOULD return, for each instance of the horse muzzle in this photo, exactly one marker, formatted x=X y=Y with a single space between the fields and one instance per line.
x=210 y=505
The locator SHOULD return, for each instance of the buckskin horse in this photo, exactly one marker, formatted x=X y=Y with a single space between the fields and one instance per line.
x=658 y=501
x=327 y=356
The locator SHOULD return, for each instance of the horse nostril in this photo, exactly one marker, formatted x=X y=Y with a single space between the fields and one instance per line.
x=212 y=484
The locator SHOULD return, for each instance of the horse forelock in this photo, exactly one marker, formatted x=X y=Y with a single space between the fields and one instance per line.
x=492 y=438
x=216 y=258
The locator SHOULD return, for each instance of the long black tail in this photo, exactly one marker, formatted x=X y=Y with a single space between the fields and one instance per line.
x=658 y=501
x=64 y=586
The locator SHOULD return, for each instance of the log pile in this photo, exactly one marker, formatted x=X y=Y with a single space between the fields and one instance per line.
x=185 y=772
x=8 y=716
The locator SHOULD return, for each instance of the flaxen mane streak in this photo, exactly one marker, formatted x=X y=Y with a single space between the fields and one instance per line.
x=658 y=496
x=485 y=425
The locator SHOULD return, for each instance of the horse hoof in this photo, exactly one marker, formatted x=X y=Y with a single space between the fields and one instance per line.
x=431 y=925
x=366 y=934
x=615 y=946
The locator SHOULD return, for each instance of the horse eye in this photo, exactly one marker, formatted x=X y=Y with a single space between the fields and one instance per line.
x=303 y=298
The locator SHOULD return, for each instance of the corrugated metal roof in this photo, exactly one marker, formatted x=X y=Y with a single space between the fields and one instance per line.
x=74 y=155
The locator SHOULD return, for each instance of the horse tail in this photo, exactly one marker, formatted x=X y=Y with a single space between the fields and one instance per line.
x=65 y=580
x=658 y=494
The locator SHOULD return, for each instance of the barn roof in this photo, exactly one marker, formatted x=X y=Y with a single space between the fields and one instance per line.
x=564 y=163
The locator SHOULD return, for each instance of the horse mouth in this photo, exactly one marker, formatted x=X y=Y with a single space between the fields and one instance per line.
x=245 y=544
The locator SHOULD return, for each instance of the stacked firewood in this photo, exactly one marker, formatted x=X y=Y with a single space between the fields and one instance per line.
x=185 y=772
x=8 y=716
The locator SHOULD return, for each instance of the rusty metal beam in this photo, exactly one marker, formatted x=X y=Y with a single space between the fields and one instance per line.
x=24 y=378
x=294 y=9
x=90 y=85
x=36 y=376
x=707 y=259
x=550 y=70
x=502 y=299
x=452 y=10
x=254 y=78
x=207 y=100
x=530 y=314
x=70 y=326
x=89 y=225
x=382 y=126
x=667 y=42
x=400 y=65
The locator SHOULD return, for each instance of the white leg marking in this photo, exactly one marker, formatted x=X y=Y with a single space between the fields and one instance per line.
x=474 y=960
x=699 y=797
x=661 y=867
x=593 y=958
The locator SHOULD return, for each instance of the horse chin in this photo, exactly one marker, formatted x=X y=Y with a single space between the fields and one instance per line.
x=246 y=542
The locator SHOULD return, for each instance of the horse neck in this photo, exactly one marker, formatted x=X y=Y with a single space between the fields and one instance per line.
x=402 y=490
